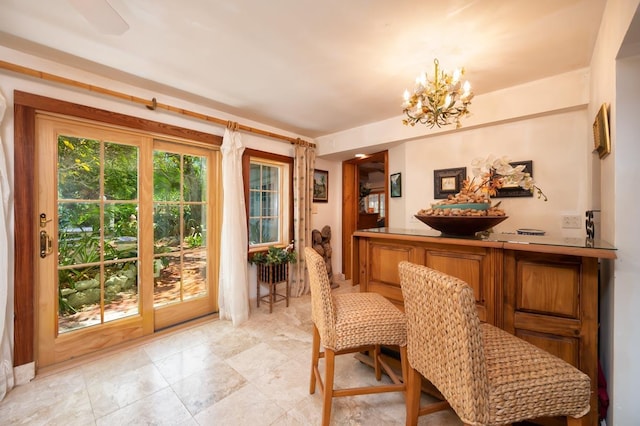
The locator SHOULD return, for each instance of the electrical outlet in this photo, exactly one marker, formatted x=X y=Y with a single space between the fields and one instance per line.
x=571 y=222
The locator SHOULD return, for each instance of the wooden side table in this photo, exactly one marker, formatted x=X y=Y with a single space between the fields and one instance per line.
x=270 y=275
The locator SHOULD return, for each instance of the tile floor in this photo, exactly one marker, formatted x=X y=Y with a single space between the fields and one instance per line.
x=210 y=374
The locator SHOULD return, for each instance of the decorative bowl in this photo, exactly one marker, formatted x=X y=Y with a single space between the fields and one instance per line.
x=464 y=206
x=461 y=225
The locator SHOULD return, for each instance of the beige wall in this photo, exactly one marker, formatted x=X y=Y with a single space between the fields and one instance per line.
x=615 y=69
x=555 y=143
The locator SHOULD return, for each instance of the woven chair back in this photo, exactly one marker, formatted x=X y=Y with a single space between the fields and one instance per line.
x=322 y=306
x=444 y=340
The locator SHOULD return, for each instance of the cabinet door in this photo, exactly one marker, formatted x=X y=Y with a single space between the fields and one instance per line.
x=379 y=259
x=379 y=266
x=551 y=301
x=473 y=265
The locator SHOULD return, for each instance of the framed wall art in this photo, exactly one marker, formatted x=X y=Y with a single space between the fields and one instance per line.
x=512 y=189
x=320 y=186
x=601 y=139
x=395 y=185
x=448 y=181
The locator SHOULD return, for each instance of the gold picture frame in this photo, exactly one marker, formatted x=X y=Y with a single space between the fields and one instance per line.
x=601 y=139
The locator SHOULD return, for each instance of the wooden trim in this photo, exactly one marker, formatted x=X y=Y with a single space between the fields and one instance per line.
x=351 y=200
x=349 y=216
x=26 y=218
x=152 y=104
x=43 y=103
x=25 y=235
x=246 y=157
x=532 y=247
x=564 y=250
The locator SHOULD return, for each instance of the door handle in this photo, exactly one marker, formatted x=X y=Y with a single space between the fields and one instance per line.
x=46 y=247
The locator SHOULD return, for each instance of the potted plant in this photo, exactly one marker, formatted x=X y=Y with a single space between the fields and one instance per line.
x=273 y=264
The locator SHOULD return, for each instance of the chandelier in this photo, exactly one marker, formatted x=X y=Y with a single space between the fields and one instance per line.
x=439 y=101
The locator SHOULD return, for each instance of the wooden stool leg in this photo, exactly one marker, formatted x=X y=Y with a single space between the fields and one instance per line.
x=572 y=421
x=258 y=292
x=329 y=357
x=315 y=356
x=376 y=362
x=404 y=367
x=414 y=383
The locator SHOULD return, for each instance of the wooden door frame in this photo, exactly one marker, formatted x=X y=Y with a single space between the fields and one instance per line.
x=350 y=202
x=25 y=215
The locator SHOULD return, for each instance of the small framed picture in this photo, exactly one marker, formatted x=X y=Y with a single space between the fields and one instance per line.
x=448 y=181
x=320 y=186
x=395 y=185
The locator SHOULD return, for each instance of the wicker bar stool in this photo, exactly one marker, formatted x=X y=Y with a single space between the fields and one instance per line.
x=348 y=323
x=488 y=376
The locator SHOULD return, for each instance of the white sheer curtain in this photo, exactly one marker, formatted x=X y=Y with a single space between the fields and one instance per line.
x=304 y=163
x=233 y=299
x=6 y=360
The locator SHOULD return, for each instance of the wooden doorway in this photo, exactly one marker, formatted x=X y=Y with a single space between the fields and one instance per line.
x=31 y=243
x=357 y=212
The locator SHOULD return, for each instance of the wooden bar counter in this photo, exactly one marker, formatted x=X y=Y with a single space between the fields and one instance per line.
x=542 y=289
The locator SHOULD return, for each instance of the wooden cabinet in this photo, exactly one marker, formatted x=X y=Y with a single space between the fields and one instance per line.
x=378 y=268
x=541 y=290
x=552 y=302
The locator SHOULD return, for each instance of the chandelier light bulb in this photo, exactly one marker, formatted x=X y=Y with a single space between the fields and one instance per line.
x=456 y=75
x=437 y=102
x=467 y=87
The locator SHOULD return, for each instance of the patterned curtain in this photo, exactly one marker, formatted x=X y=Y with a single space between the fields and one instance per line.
x=6 y=361
x=304 y=163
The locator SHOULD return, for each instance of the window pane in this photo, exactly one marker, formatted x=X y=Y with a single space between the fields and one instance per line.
x=254 y=203
x=194 y=224
x=166 y=176
x=78 y=168
x=120 y=290
x=78 y=233
x=254 y=176
x=120 y=231
x=195 y=274
x=166 y=227
x=167 y=279
x=254 y=231
x=195 y=178
x=270 y=231
x=78 y=298
x=269 y=178
x=120 y=172
x=270 y=204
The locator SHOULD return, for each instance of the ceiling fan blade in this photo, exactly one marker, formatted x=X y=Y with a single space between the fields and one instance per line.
x=102 y=15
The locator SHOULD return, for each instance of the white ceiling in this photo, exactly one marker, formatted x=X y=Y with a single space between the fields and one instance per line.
x=312 y=67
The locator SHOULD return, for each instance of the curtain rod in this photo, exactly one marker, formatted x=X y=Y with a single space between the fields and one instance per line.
x=150 y=104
